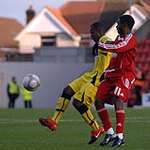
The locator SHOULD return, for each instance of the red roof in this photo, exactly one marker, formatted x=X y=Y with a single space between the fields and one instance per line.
x=9 y=28
x=82 y=7
x=81 y=14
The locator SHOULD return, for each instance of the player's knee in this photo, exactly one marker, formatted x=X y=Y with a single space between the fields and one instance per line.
x=68 y=93
x=80 y=107
x=98 y=104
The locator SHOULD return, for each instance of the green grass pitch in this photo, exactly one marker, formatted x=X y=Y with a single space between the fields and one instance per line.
x=20 y=130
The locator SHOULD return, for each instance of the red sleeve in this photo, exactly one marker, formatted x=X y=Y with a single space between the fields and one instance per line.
x=122 y=46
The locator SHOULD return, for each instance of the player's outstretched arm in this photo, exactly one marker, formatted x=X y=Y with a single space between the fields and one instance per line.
x=122 y=46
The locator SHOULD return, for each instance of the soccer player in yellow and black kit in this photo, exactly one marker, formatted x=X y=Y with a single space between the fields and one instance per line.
x=83 y=89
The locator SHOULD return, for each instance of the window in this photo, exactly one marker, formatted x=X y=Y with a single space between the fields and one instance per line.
x=48 y=41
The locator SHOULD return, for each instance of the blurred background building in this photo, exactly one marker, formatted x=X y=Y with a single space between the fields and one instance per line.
x=56 y=41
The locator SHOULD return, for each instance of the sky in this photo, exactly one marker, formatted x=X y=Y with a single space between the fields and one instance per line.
x=16 y=8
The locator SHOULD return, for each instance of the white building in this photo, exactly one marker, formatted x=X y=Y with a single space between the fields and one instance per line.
x=48 y=28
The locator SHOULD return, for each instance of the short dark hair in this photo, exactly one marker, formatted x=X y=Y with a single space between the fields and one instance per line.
x=96 y=25
x=127 y=19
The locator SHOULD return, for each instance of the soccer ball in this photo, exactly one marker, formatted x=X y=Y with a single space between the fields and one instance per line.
x=31 y=82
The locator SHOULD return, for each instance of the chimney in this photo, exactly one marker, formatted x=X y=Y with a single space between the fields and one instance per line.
x=30 y=13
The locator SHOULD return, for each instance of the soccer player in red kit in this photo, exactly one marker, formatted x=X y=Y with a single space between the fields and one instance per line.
x=118 y=80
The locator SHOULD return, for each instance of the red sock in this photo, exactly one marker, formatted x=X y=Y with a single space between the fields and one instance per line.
x=103 y=114
x=120 y=119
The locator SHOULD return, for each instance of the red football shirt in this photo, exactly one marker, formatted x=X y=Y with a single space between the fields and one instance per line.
x=123 y=60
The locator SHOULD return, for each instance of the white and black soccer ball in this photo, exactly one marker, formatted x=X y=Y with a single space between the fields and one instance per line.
x=31 y=82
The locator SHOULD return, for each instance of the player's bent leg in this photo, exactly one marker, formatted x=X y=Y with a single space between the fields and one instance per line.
x=61 y=106
x=104 y=116
x=86 y=114
x=62 y=103
x=120 y=119
x=89 y=119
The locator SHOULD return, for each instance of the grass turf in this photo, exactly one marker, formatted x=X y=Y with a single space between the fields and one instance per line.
x=20 y=130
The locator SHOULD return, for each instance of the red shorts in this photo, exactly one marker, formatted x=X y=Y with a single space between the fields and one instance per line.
x=115 y=87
